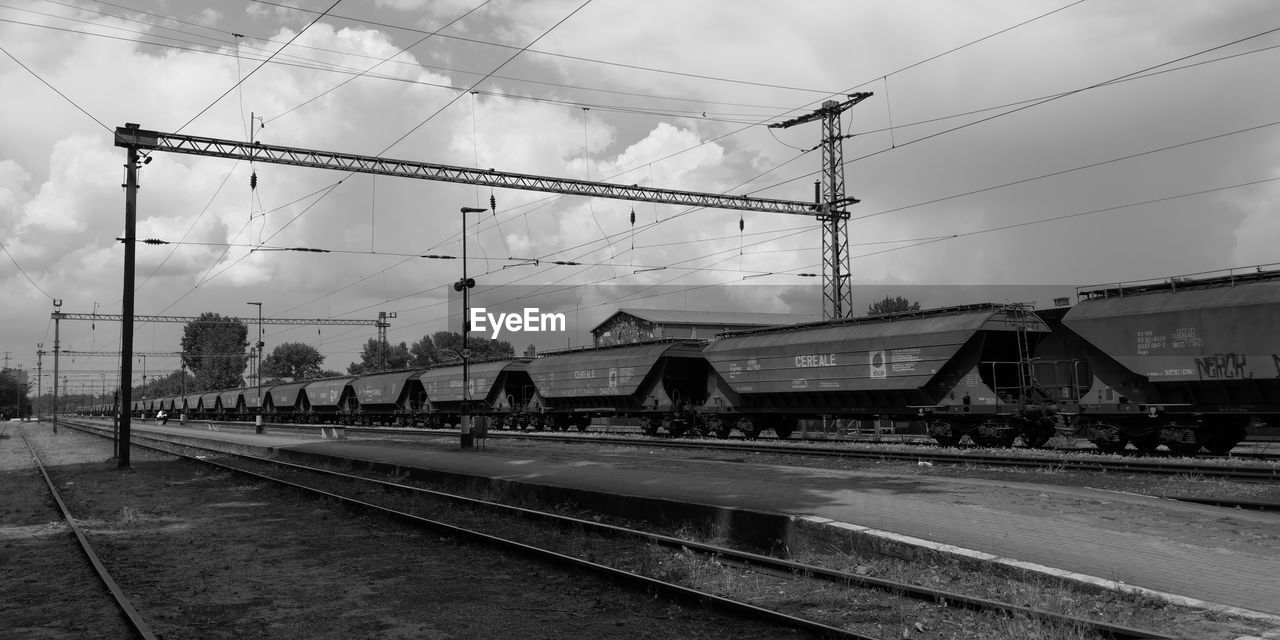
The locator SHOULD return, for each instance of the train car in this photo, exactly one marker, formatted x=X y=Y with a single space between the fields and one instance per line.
x=190 y=406
x=169 y=405
x=963 y=369
x=394 y=398
x=231 y=405
x=659 y=383
x=331 y=401
x=497 y=390
x=253 y=397
x=1184 y=363
x=286 y=403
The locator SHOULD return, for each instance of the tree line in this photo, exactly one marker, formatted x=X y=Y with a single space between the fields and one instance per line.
x=215 y=356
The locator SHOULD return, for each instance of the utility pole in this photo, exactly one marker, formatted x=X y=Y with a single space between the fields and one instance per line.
x=126 y=327
x=39 y=377
x=57 y=327
x=837 y=294
x=257 y=368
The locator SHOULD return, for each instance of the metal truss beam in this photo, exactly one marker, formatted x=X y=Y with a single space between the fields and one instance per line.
x=131 y=136
x=291 y=321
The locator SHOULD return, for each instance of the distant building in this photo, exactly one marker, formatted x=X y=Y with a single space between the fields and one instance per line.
x=637 y=325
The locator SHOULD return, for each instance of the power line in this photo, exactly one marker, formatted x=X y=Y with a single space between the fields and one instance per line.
x=1116 y=80
x=1071 y=170
x=560 y=55
x=55 y=90
x=337 y=68
x=24 y=271
x=263 y=64
x=380 y=62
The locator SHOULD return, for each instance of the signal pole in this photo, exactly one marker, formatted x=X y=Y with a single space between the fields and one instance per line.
x=837 y=294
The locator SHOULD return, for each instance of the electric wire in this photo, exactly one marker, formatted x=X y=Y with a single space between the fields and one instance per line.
x=1104 y=83
x=55 y=90
x=255 y=69
x=23 y=271
x=381 y=62
x=561 y=55
x=416 y=65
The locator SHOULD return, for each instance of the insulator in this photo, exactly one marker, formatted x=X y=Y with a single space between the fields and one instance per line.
x=633 y=217
x=253 y=181
x=741 y=225
x=493 y=203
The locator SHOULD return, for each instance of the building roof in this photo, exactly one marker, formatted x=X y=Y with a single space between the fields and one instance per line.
x=710 y=318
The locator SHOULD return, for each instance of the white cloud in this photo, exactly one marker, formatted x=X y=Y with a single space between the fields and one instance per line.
x=61 y=206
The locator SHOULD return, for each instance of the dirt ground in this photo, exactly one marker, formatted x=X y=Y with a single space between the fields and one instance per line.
x=207 y=555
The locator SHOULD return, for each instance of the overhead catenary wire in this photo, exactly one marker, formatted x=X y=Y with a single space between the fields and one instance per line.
x=1036 y=103
x=55 y=89
x=333 y=67
x=255 y=69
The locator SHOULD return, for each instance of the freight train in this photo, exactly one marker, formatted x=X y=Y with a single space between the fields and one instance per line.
x=1184 y=363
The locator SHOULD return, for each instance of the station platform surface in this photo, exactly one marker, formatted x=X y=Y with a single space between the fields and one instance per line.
x=1218 y=556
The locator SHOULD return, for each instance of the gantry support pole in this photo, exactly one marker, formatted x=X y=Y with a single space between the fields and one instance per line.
x=126 y=322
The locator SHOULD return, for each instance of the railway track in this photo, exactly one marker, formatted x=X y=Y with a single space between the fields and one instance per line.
x=1265 y=469
x=1010 y=458
x=359 y=492
x=137 y=626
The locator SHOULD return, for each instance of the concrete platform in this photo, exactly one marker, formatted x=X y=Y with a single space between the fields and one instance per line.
x=1206 y=555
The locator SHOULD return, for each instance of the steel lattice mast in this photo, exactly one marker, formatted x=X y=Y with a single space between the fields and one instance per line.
x=837 y=294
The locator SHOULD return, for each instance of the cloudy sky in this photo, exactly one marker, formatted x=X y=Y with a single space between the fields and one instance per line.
x=1159 y=155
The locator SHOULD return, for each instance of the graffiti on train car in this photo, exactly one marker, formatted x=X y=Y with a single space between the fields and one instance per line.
x=1223 y=366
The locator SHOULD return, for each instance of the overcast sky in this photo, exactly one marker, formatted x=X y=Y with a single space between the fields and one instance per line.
x=676 y=95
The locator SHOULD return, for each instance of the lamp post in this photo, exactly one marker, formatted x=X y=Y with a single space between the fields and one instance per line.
x=257 y=368
x=464 y=286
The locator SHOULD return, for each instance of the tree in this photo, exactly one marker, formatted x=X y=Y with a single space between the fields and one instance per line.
x=891 y=304
x=213 y=347
x=423 y=353
x=449 y=347
x=170 y=385
x=379 y=356
x=293 y=360
x=14 y=402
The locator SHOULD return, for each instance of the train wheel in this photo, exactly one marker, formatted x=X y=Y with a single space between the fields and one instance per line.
x=949 y=440
x=583 y=423
x=943 y=433
x=1148 y=443
x=1036 y=440
x=1219 y=439
x=718 y=427
x=748 y=428
x=782 y=432
x=647 y=427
